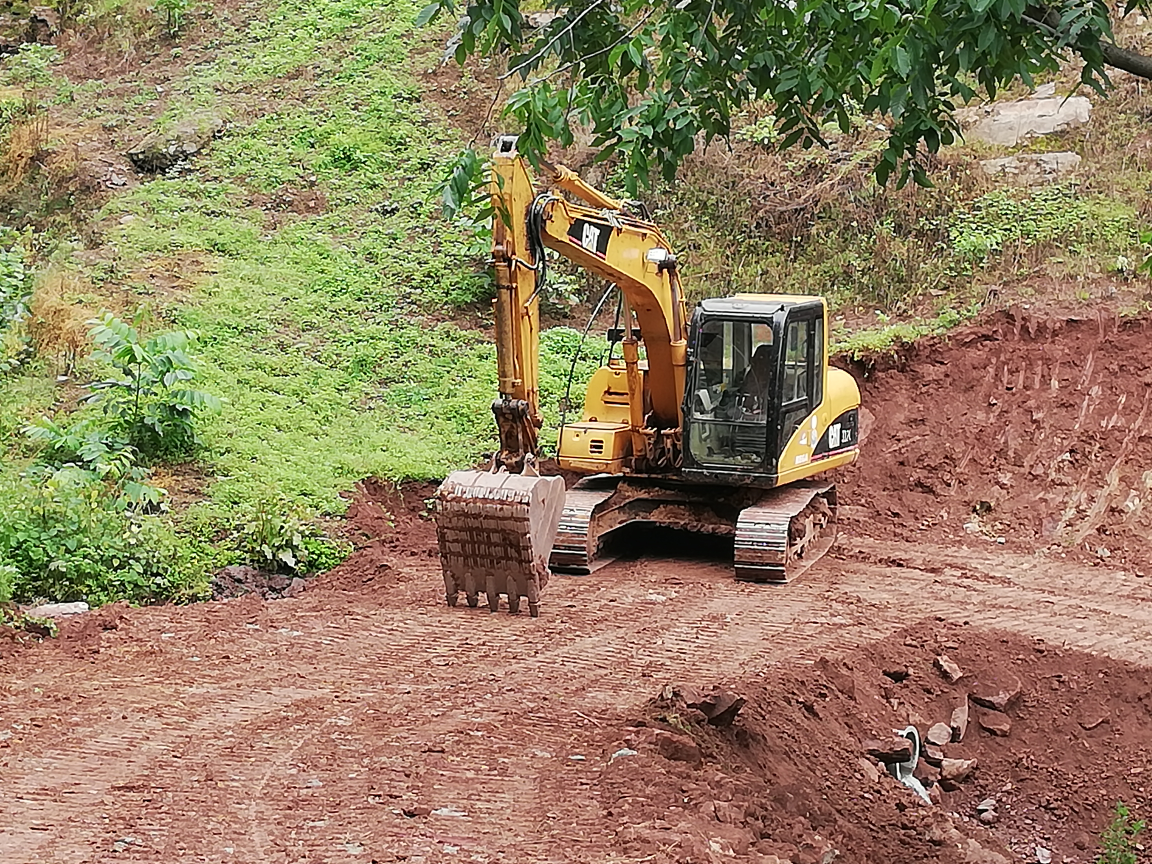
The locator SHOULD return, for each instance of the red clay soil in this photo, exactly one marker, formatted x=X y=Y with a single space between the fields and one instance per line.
x=389 y=525
x=1032 y=432
x=364 y=720
x=790 y=778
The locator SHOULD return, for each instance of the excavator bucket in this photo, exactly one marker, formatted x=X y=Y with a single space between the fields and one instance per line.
x=495 y=531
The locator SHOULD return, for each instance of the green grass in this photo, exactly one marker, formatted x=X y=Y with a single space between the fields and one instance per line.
x=321 y=330
x=315 y=328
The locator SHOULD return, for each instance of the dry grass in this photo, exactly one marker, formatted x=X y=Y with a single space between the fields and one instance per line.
x=56 y=325
x=26 y=141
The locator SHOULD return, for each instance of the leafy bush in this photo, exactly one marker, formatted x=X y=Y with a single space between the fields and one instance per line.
x=149 y=402
x=69 y=535
x=174 y=13
x=85 y=523
x=15 y=293
x=32 y=64
x=1119 y=838
x=8 y=576
x=279 y=537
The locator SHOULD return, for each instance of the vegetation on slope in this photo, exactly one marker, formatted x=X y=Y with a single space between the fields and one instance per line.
x=321 y=329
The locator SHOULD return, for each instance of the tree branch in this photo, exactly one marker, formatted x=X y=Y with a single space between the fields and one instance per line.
x=1129 y=61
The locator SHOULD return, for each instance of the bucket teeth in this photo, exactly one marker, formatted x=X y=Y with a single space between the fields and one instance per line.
x=495 y=532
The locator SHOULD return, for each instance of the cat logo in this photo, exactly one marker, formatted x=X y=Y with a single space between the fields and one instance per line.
x=590 y=237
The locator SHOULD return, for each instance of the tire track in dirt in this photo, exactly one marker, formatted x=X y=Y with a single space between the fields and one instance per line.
x=476 y=712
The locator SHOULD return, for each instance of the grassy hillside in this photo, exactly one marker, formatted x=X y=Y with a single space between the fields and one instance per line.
x=304 y=247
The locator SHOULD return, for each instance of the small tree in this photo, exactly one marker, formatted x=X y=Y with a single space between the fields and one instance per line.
x=149 y=399
x=650 y=79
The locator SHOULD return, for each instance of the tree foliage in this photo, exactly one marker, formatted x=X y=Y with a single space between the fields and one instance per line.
x=651 y=79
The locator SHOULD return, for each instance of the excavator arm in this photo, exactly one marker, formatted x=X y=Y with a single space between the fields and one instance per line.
x=600 y=234
x=496 y=528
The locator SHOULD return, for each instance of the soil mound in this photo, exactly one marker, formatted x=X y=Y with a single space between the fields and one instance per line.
x=390 y=525
x=792 y=777
x=1022 y=430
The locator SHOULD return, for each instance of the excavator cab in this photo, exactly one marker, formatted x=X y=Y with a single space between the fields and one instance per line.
x=755 y=411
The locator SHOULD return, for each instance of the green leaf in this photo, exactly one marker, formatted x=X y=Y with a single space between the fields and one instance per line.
x=429 y=12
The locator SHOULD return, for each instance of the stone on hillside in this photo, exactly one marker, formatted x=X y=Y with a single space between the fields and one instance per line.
x=718 y=706
x=869 y=769
x=671 y=745
x=995 y=723
x=160 y=150
x=1033 y=167
x=996 y=691
x=890 y=750
x=959 y=722
x=933 y=755
x=1011 y=123
x=974 y=853
x=957 y=770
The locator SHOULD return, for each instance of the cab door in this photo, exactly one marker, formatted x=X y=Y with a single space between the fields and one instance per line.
x=801 y=378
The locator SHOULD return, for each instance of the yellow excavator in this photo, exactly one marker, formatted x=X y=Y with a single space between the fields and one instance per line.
x=719 y=428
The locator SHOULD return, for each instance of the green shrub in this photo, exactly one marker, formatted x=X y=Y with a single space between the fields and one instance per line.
x=1119 y=838
x=174 y=13
x=32 y=64
x=15 y=294
x=149 y=403
x=278 y=536
x=70 y=535
x=8 y=577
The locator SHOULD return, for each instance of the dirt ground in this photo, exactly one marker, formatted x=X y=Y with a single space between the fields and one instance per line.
x=363 y=720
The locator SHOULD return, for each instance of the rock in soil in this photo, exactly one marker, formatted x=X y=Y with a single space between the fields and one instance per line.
x=240 y=579
x=995 y=723
x=837 y=676
x=949 y=669
x=957 y=770
x=986 y=804
x=58 y=610
x=932 y=755
x=671 y=745
x=928 y=775
x=1000 y=692
x=959 y=722
x=890 y=750
x=1092 y=717
x=718 y=706
x=974 y=853
x=940 y=734
x=869 y=769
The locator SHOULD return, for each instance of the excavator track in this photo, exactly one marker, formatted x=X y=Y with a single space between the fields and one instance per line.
x=574 y=551
x=786 y=533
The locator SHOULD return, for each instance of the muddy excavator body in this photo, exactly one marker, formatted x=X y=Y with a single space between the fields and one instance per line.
x=720 y=422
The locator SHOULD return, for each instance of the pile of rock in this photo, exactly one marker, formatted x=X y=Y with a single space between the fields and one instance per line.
x=987 y=701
